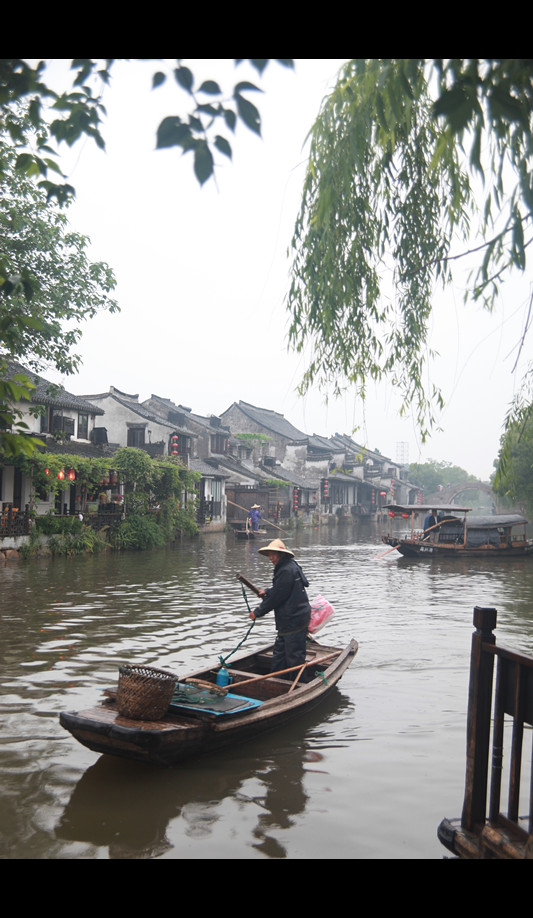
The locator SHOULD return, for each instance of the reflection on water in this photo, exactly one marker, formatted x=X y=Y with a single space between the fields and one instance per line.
x=368 y=775
x=131 y=809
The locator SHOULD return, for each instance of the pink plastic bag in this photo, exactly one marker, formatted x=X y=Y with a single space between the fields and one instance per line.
x=321 y=612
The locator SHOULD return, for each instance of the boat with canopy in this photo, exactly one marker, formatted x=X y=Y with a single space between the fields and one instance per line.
x=456 y=533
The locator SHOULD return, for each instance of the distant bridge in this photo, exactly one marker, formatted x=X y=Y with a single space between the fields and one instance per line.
x=448 y=495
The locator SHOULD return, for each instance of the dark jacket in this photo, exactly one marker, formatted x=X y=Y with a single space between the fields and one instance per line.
x=287 y=597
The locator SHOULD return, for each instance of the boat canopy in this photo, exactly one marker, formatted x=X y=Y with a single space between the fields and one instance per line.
x=503 y=521
x=488 y=521
x=480 y=530
x=426 y=508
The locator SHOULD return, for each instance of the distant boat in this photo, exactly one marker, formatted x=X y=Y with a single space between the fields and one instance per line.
x=458 y=535
x=249 y=533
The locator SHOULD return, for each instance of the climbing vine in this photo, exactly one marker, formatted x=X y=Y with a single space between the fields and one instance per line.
x=158 y=497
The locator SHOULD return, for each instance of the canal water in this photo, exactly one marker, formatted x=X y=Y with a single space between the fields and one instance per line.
x=369 y=775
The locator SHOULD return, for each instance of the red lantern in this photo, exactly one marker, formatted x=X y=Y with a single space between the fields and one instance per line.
x=391 y=514
x=61 y=474
x=47 y=471
x=71 y=475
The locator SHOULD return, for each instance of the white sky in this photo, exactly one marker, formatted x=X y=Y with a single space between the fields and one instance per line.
x=203 y=274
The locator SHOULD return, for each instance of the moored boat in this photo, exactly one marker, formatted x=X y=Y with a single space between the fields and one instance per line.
x=456 y=534
x=200 y=718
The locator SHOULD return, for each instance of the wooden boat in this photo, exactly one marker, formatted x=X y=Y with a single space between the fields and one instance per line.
x=199 y=720
x=250 y=533
x=458 y=535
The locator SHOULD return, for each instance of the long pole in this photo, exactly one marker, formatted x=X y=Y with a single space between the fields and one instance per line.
x=247 y=511
x=328 y=659
x=247 y=583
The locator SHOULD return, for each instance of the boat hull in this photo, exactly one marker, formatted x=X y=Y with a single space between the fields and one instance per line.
x=179 y=735
x=413 y=548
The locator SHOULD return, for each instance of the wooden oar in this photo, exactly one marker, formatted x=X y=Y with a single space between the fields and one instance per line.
x=280 y=672
x=293 y=686
x=247 y=583
x=382 y=555
x=263 y=518
x=436 y=526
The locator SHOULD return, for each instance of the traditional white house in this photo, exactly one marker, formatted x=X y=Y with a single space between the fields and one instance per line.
x=56 y=417
x=210 y=442
x=129 y=423
x=211 y=437
x=164 y=429
x=52 y=411
x=351 y=479
x=275 y=435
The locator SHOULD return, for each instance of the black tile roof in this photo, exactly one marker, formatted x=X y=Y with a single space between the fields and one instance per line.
x=47 y=393
x=271 y=420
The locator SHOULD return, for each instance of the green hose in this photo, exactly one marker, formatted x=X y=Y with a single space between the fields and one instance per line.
x=223 y=659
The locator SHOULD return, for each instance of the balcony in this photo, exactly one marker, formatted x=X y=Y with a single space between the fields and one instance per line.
x=14 y=522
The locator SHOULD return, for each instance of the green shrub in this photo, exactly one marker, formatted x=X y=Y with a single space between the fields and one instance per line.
x=58 y=525
x=76 y=543
x=137 y=531
x=174 y=519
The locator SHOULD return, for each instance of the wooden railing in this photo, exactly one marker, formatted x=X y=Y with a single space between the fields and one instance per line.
x=14 y=521
x=498 y=717
x=208 y=510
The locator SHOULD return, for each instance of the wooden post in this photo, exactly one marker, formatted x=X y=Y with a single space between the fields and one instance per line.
x=479 y=718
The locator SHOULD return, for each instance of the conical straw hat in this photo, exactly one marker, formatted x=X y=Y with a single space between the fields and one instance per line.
x=278 y=546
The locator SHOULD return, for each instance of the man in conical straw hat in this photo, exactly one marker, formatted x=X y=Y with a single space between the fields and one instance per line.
x=288 y=599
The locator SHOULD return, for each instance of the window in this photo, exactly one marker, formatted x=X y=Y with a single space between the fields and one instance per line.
x=45 y=421
x=83 y=427
x=136 y=437
x=219 y=443
x=54 y=422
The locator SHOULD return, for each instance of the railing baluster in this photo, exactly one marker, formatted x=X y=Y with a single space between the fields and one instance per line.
x=478 y=724
x=516 y=746
x=497 y=745
x=530 y=827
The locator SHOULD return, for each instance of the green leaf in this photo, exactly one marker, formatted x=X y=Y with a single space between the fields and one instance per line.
x=203 y=161
x=62 y=193
x=157 y=79
x=185 y=78
x=230 y=118
x=211 y=87
x=172 y=132
x=249 y=114
x=223 y=146
x=245 y=86
x=259 y=63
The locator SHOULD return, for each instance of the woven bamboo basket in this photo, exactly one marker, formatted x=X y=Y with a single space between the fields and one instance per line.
x=144 y=693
